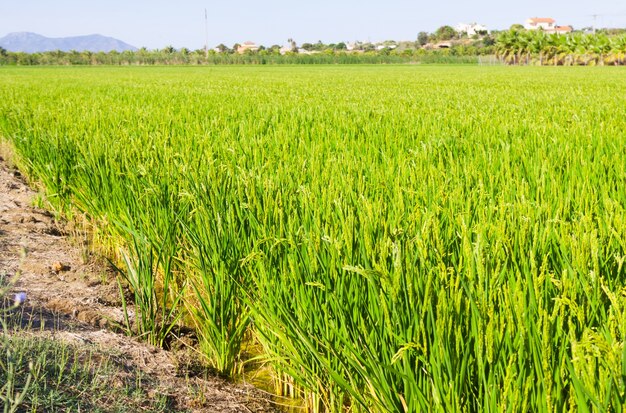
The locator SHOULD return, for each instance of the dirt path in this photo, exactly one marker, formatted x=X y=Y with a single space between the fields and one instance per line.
x=73 y=298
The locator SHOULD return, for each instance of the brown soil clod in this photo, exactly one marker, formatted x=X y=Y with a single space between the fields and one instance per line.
x=59 y=267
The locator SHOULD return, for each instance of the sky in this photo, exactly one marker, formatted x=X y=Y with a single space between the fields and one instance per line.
x=159 y=23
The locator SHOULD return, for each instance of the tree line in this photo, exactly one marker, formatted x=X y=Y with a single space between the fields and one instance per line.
x=515 y=46
x=418 y=51
x=144 y=57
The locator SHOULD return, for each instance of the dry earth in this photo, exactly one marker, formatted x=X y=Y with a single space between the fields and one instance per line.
x=75 y=298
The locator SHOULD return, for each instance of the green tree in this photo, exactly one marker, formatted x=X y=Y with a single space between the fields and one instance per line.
x=422 y=38
x=445 y=33
x=488 y=40
x=274 y=49
x=222 y=48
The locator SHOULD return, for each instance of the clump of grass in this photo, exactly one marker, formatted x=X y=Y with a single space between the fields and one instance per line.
x=39 y=373
x=42 y=374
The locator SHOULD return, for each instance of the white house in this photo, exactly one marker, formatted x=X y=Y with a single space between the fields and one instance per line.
x=546 y=24
x=471 y=29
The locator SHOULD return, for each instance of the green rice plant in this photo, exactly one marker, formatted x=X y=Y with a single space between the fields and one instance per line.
x=396 y=238
x=220 y=314
x=156 y=295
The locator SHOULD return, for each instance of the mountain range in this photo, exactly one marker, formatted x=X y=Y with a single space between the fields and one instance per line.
x=32 y=43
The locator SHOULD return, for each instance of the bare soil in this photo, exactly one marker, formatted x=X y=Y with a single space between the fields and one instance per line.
x=74 y=297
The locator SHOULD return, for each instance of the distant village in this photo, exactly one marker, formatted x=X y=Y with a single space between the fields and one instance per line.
x=445 y=37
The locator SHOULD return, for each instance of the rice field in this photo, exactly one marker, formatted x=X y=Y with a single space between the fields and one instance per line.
x=383 y=238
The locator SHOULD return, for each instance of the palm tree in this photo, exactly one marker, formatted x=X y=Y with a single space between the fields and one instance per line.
x=619 y=47
x=593 y=47
x=537 y=44
x=552 y=47
x=583 y=46
x=571 y=43
x=523 y=41
x=603 y=46
x=563 y=49
x=292 y=43
x=505 y=44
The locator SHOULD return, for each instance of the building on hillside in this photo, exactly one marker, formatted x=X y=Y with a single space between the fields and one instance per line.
x=351 y=46
x=471 y=29
x=247 y=46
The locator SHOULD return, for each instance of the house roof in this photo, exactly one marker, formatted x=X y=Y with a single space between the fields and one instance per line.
x=249 y=43
x=536 y=20
x=564 y=29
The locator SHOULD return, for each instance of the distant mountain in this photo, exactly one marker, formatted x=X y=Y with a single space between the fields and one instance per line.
x=32 y=43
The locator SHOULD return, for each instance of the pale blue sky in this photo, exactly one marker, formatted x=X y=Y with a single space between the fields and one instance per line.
x=158 y=23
